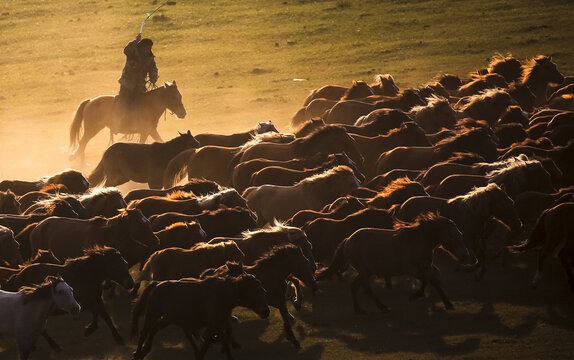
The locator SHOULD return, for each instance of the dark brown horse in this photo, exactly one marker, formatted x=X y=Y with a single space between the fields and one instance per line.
x=434 y=115
x=397 y=192
x=537 y=74
x=195 y=205
x=337 y=210
x=277 y=175
x=281 y=202
x=553 y=233
x=73 y=179
x=66 y=205
x=488 y=105
x=406 y=250
x=273 y=269
x=195 y=304
x=470 y=212
x=308 y=127
x=144 y=163
x=326 y=234
x=86 y=275
x=107 y=202
x=237 y=139
x=9 y=204
x=68 y=238
x=97 y=113
x=42 y=257
x=418 y=158
x=180 y=234
x=197 y=186
x=228 y=222
x=507 y=66
x=530 y=204
x=378 y=122
x=176 y=263
x=9 y=248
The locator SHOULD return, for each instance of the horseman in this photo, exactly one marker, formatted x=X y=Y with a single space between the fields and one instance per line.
x=140 y=64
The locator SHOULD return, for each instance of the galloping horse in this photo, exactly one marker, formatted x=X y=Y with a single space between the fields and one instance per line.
x=96 y=114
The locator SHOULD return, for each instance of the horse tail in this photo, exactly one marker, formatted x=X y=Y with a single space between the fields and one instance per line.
x=535 y=239
x=177 y=168
x=139 y=305
x=98 y=176
x=77 y=125
x=338 y=264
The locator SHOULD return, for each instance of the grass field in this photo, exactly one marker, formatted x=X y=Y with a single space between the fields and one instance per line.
x=235 y=63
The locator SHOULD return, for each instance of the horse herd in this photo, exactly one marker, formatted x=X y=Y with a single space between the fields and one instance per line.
x=372 y=177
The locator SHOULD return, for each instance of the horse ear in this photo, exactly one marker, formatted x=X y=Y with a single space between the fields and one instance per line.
x=173 y=83
x=355 y=82
x=179 y=133
x=188 y=132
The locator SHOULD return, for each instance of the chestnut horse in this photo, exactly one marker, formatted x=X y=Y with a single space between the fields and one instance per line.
x=96 y=113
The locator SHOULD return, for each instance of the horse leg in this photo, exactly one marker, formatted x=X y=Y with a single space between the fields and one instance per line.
x=101 y=309
x=538 y=275
x=53 y=344
x=207 y=341
x=287 y=324
x=429 y=276
x=565 y=260
x=143 y=137
x=93 y=326
x=190 y=334
x=355 y=284
x=155 y=135
x=368 y=290
x=298 y=302
x=146 y=337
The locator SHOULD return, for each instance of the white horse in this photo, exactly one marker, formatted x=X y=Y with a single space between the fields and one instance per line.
x=24 y=314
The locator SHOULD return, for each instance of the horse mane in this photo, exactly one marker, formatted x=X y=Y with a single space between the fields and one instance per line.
x=45 y=180
x=421 y=220
x=99 y=192
x=470 y=123
x=465 y=158
x=271 y=137
x=218 y=195
x=454 y=143
x=180 y=224
x=433 y=101
x=276 y=254
x=506 y=66
x=50 y=204
x=356 y=85
x=474 y=201
x=450 y=82
x=323 y=132
x=41 y=291
x=326 y=177
x=203 y=247
x=308 y=126
x=529 y=71
x=275 y=228
x=486 y=95
x=515 y=169
x=405 y=129
x=41 y=253
x=180 y=195
x=5 y=231
x=396 y=184
x=93 y=254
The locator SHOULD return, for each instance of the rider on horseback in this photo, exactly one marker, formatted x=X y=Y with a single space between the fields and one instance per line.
x=139 y=64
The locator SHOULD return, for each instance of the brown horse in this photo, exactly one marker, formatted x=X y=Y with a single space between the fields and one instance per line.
x=197 y=186
x=9 y=248
x=144 y=163
x=72 y=179
x=213 y=162
x=281 y=202
x=480 y=83
x=434 y=115
x=86 y=275
x=553 y=233
x=378 y=122
x=508 y=67
x=256 y=243
x=329 y=139
x=488 y=105
x=9 y=204
x=418 y=158
x=177 y=263
x=277 y=175
x=96 y=113
x=537 y=74
x=326 y=234
x=406 y=250
x=273 y=269
x=470 y=212
x=221 y=222
x=157 y=204
x=68 y=238
x=107 y=202
x=237 y=139
x=308 y=127
x=517 y=177
x=196 y=304
x=43 y=257
x=242 y=172
x=337 y=210
x=530 y=204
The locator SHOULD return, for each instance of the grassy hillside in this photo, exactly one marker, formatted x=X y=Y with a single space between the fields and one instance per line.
x=235 y=61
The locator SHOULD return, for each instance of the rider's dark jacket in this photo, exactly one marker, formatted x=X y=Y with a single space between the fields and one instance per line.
x=136 y=68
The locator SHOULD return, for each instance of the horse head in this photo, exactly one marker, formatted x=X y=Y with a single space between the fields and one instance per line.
x=250 y=294
x=188 y=140
x=140 y=228
x=63 y=295
x=9 y=204
x=9 y=247
x=172 y=98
